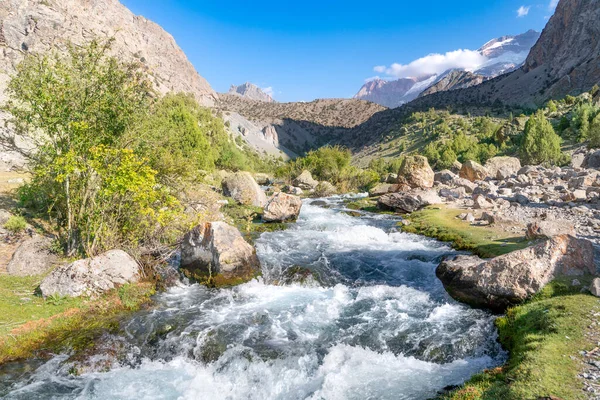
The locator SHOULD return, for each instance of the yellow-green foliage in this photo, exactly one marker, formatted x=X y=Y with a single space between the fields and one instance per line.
x=442 y=223
x=15 y=224
x=331 y=164
x=542 y=336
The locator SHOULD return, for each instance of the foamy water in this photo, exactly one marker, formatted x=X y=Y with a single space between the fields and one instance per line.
x=379 y=326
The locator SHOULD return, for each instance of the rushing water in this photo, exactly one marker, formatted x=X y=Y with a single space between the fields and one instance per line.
x=378 y=326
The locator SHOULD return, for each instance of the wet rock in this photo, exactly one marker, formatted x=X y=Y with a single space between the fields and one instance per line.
x=549 y=229
x=512 y=278
x=473 y=171
x=416 y=172
x=242 y=187
x=32 y=257
x=91 y=276
x=503 y=167
x=282 y=207
x=305 y=181
x=216 y=253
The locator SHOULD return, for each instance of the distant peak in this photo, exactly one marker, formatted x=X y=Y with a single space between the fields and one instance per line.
x=250 y=91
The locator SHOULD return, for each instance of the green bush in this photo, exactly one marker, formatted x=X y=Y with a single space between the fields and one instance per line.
x=595 y=133
x=540 y=143
x=15 y=224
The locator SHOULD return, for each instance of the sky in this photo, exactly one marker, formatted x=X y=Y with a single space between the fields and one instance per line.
x=308 y=49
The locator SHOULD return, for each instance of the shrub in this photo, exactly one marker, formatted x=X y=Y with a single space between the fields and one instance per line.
x=595 y=133
x=15 y=224
x=540 y=143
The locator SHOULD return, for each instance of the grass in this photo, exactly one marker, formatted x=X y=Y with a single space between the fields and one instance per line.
x=368 y=204
x=248 y=219
x=542 y=337
x=32 y=326
x=442 y=223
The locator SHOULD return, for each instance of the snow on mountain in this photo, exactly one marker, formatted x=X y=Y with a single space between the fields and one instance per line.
x=502 y=55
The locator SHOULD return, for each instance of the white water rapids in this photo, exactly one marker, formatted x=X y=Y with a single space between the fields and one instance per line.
x=378 y=326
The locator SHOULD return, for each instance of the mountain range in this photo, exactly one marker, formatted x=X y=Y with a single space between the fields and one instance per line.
x=500 y=56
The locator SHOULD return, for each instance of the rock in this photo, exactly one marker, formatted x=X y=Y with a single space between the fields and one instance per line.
x=216 y=253
x=592 y=160
x=407 y=202
x=549 y=229
x=580 y=195
x=305 y=181
x=32 y=257
x=456 y=193
x=456 y=167
x=577 y=160
x=416 y=172
x=383 y=188
x=473 y=171
x=296 y=191
x=595 y=287
x=263 y=179
x=282 y=207
x=445 y=176
x=503 y=167
x=391 y=178
x=482 y=202
x=464 y=183
x=470 y=218
x=91 y=276
x=512 y=278
x=325 y=189
x=522 y=199
x=242 y=187
x=488 y=217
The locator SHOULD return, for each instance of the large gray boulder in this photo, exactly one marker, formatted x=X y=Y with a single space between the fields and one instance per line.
x=549 y=228
x=32 y=257
x=502 y=167
x=242 y=187
x=592 y=160
x=407 y=202
x=216 y=253
x=512 y=278
x=473 y=171
x=92 y=276
x=416 y=172
x=282 y=207
x=305 y=181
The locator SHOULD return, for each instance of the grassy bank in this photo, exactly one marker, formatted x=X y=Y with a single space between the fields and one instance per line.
x=441 y=223
x=33 y=326
x=544 y=337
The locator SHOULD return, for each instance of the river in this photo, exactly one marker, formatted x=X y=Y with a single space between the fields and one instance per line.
x=372 y=322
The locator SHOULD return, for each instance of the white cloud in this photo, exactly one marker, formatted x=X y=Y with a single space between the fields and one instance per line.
x=435 y=64
x=268 y=90
x=523 y=11
x=552 y=5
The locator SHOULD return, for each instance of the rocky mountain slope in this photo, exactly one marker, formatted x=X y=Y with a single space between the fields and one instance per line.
x=294 y=127
x=502 y=55
x=33 y=26
x=565 y=60
x=250 y=91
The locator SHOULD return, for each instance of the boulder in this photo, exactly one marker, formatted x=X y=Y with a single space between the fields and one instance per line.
x=216 y=253
x=242 y=187
x=305 y=181
x=512 y=278
x=503 y=167
x=296 y=191
x=464 y=183
x=453 y=193
x=92 y=276
x=595 y=287
x=407 y=202
x=391 y=178
x=445 y=176
x=383 y=188
x=416 y=172
x=263 y=179
x=456 y=167
x=32 y=257
x=592 y=160
x=483 y=203
x=325 y=189
x=548 y=229
x=473 y=171
x=282 y=207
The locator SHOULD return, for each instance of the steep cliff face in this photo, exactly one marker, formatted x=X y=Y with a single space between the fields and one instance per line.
x=33 y=26
x=250 y=91
x=455 y=79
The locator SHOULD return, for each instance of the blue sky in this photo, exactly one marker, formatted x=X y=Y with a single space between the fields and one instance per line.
x=310 y=49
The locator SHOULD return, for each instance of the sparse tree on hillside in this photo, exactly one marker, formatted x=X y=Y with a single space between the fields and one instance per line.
x=540 y=143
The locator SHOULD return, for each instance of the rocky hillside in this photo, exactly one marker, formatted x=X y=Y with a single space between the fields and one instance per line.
x=565 y=60
x=294 y=127
x=251 y=92
x=33 y=26
x=502 y=55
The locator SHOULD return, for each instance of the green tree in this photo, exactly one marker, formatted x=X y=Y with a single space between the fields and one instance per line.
x=75 y=110
x=540 y=143
x=595 y=133
x=552 y=106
